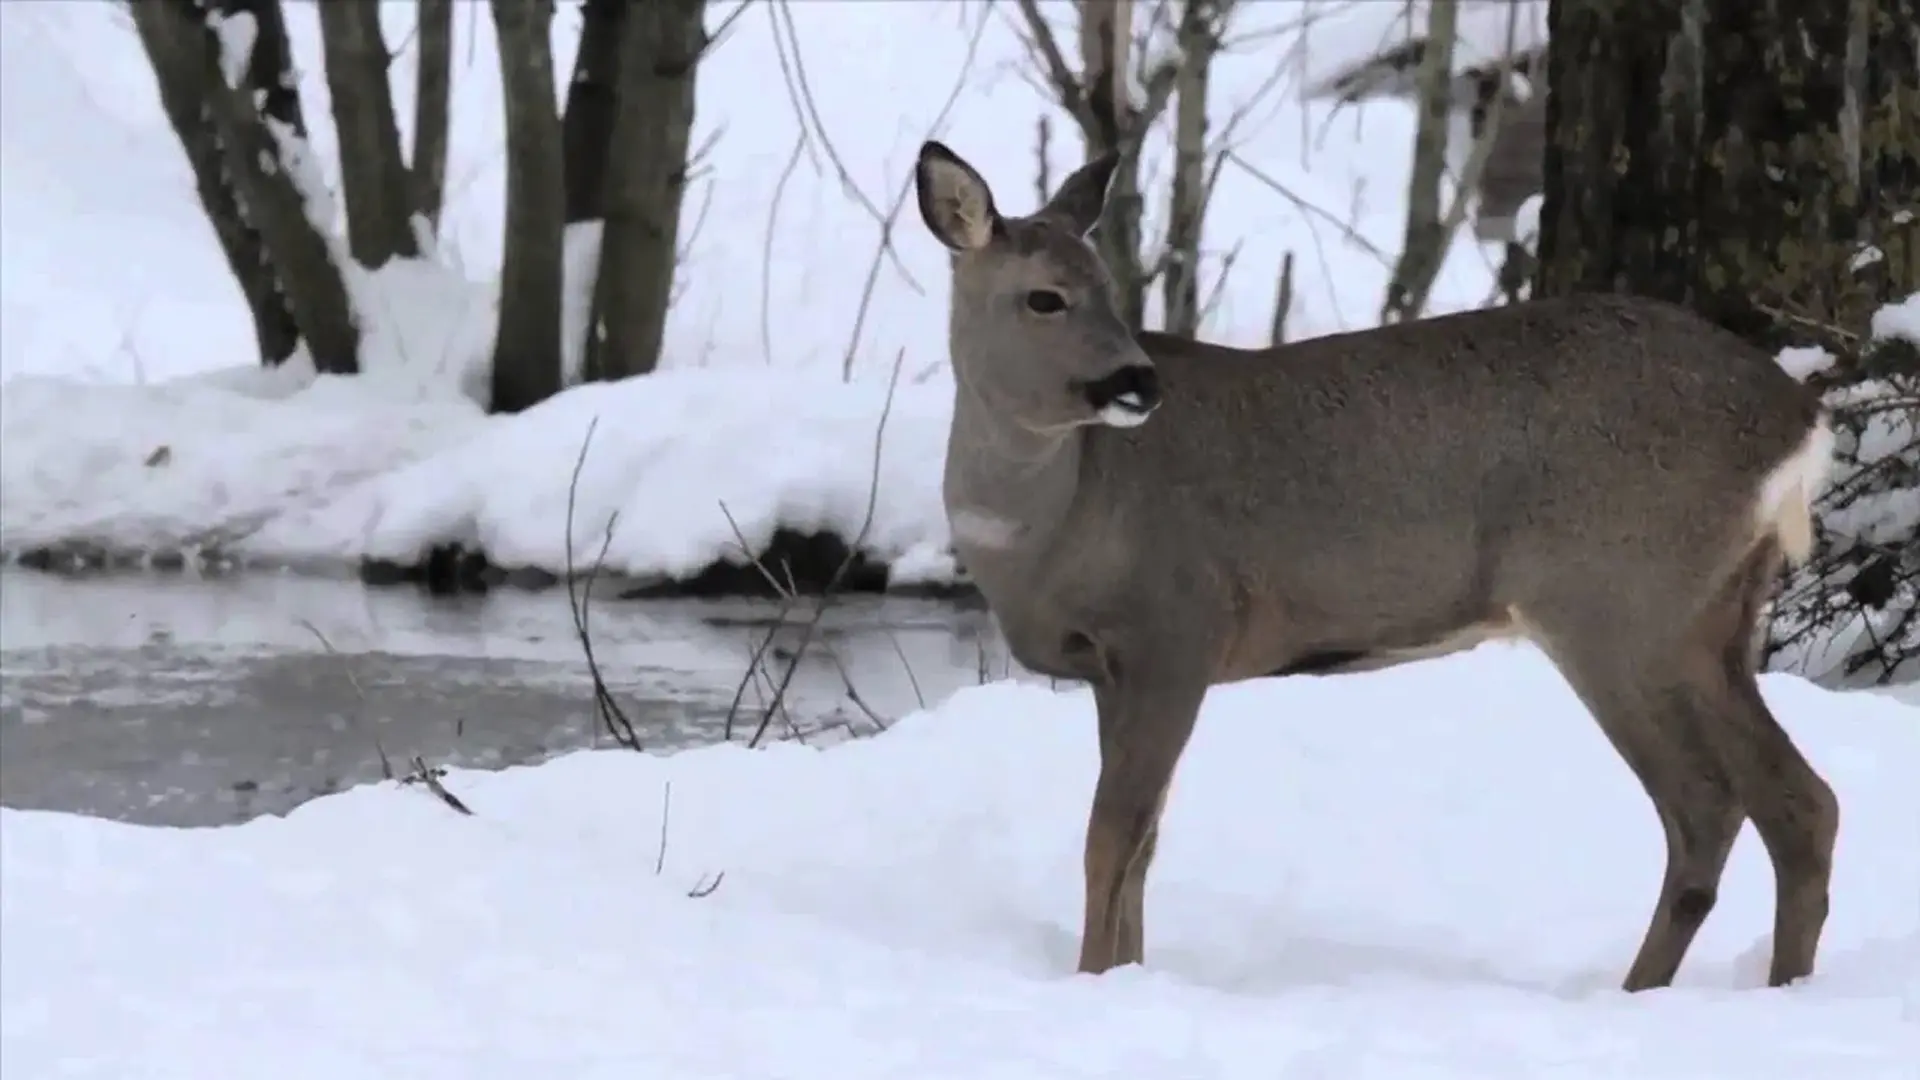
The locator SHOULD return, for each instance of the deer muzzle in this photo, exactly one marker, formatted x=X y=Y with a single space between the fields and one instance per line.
x=1124 y=398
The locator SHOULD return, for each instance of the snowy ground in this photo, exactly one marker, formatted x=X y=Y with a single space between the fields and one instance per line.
x=1438 y=871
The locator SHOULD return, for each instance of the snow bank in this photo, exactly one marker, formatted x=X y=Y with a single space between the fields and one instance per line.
x=198 y=464
x=1438 y=871
x=673 y=456
x=282 y=468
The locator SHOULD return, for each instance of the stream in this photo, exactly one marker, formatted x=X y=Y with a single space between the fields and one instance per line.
x=204 y=701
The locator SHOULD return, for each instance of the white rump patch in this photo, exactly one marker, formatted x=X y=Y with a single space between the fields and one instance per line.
x=1785 y=506
x=976 y=528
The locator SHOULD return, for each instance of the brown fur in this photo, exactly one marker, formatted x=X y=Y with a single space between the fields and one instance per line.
x=1612 y=479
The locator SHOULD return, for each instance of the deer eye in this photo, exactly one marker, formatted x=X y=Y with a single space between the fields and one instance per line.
x=1046 y=302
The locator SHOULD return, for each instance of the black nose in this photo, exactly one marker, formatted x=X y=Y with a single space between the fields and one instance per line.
x=1135 y=388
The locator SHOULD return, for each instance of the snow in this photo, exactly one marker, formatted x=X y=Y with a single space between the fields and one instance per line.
x=1805 y=361
x=1438 y=871
x=342 y=469
x=678 y=461
x=1900 y=319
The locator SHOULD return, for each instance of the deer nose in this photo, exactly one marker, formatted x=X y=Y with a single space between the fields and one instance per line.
x=1125 y=397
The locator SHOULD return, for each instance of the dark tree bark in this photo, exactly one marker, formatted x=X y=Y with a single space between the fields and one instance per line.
x=1776 y=203
x=182 y=98
x=427 y=171
x=1890 y=145
x=526 y=354
x=283 y=263
x=593 y=95
x=1695 y=156
x=645 y=185
x=372 y=172
x=1617 y=203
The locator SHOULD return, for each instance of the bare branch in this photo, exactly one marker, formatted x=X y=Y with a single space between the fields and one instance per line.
x=900 y=198
x=1066 y=84
x=783 y=20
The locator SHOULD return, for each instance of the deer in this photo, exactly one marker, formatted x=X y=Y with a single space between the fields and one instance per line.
x=1613 y=480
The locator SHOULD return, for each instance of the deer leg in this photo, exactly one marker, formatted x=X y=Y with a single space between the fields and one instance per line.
x=1133 y=893
x=1702 y=816
x=1792 y=808
x=1797 y=817
x=1667 y=745
x=1145 y=721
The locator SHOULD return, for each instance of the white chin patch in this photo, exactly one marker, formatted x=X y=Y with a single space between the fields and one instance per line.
x=1122 y=415
x=977 y=528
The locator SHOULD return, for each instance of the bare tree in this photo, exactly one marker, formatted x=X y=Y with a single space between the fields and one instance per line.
x=1427 y=240
x=1202 y=23
x=592 y=98
x=373 y=173
x=660 y=49
x=1503 y=102
x=246 y=182
x=433 y=90
x=1100 y=99
x=269 y=75
x=526 y=354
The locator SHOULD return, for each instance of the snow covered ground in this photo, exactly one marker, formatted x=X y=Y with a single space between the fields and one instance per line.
x=1439 y=871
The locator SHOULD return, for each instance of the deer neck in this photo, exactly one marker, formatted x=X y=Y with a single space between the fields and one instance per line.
x=1007 y=488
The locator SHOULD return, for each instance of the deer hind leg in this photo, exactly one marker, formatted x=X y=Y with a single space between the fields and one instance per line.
x=1668 y=743
x=1792 y=808
x=1145 y=722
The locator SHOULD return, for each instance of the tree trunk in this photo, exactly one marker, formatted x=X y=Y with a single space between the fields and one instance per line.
x=1692 y=156
x=1617 y=202
x=1100 y=100
x=1187 y=203
x=1106 y=45
x=183 y=99
x=526 y=352
x=1425 y=245
x=433 y=92
x=1777 y=204
x=646 y=182
x=1890 y=145
x=282 y=261
x=372 y=172
x=592 y=99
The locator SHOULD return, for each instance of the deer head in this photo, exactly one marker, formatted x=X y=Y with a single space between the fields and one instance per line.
x=1036 y=338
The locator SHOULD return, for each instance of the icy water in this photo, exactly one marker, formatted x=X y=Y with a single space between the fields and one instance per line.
x=185 y=701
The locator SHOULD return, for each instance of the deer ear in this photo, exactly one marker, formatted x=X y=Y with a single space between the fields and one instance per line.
x=1083 y=195
x=955 y=202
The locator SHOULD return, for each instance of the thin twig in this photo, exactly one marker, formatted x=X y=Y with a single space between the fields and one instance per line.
x=608 y=711
x=359 y=693
x=783 y=19
x=853 y=552
x=901 y=194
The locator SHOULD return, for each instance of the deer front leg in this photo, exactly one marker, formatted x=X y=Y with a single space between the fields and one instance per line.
x=1145 y=722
